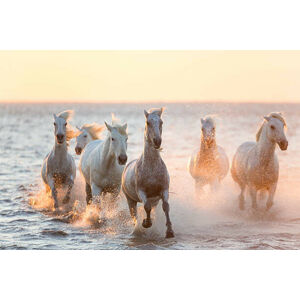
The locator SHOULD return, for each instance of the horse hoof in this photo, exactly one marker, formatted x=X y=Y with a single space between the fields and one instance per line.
x=169 y=234
x=147 y=223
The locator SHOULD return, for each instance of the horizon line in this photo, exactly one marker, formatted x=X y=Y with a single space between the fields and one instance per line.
x=147 y=102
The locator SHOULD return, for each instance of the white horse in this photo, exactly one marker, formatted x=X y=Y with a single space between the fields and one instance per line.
x=88 y=133
x=209 y=164
x=256 y=165
x=103 y=161
x=146 y=179
x=59 y=168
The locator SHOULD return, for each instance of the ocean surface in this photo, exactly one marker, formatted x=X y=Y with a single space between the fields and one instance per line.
x=212 y=221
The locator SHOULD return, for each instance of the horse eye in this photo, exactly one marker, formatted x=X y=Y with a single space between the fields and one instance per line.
x=85 y=136
x=65 y=124
x=54 y=124
x=148 y=123
x=112 y=139
x=272 y=127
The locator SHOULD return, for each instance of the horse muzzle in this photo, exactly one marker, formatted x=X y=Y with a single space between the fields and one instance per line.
x=283 y=145
x=60 y=138
x=157 y=143
x=122 y=159
x=78 y=150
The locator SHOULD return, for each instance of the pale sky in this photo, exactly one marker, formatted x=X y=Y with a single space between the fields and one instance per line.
x=150 y=76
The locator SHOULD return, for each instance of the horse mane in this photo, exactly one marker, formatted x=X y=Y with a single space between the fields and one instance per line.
x=94 y=130
x=115 y=122
x=66 y=115
x=276 y=115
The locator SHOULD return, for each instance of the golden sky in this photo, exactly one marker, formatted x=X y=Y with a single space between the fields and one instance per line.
x=131 y=76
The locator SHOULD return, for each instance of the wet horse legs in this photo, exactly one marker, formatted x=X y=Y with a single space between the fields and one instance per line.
x=147 y=206
x=166 y=208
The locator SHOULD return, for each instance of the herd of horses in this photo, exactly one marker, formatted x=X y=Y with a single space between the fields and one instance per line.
x=146 y=179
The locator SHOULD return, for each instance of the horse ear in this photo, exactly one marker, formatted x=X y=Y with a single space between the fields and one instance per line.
x=146 y=113
x=161 y=111
x=54 y=116
x=267 y=118
x=78 y=128
x=125 y=126
x=109 y=128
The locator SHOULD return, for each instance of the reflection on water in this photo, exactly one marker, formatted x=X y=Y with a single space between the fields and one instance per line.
x=211 y=221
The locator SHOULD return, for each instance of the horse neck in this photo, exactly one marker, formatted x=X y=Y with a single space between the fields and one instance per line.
x=265 y=148
x=150 y=154
x=108 y=156
x=60 y=150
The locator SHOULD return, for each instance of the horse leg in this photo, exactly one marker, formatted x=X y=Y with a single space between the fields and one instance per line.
x=166 y=208
x=53 y=192
x=253 y=194
x=215 y=186
x=147 y=206
x=88 y=191
x=115 y=193
x=241 y=196
x=96 y=193
x=132 y=208
x=199 y=184
x=271 y=190
x=70 y=186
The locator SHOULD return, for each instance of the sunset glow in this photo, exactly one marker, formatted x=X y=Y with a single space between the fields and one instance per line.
x=150 y=76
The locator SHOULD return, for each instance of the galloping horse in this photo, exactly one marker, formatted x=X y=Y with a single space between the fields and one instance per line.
x=209 y=164
x=59 y=168
x=103 y=162
x=146 y=179
x=256 y=165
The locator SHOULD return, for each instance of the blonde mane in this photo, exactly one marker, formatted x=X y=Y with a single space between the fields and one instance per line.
x=94 y=130
x=66 y=115
x=276 y=115
x=116 y=124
